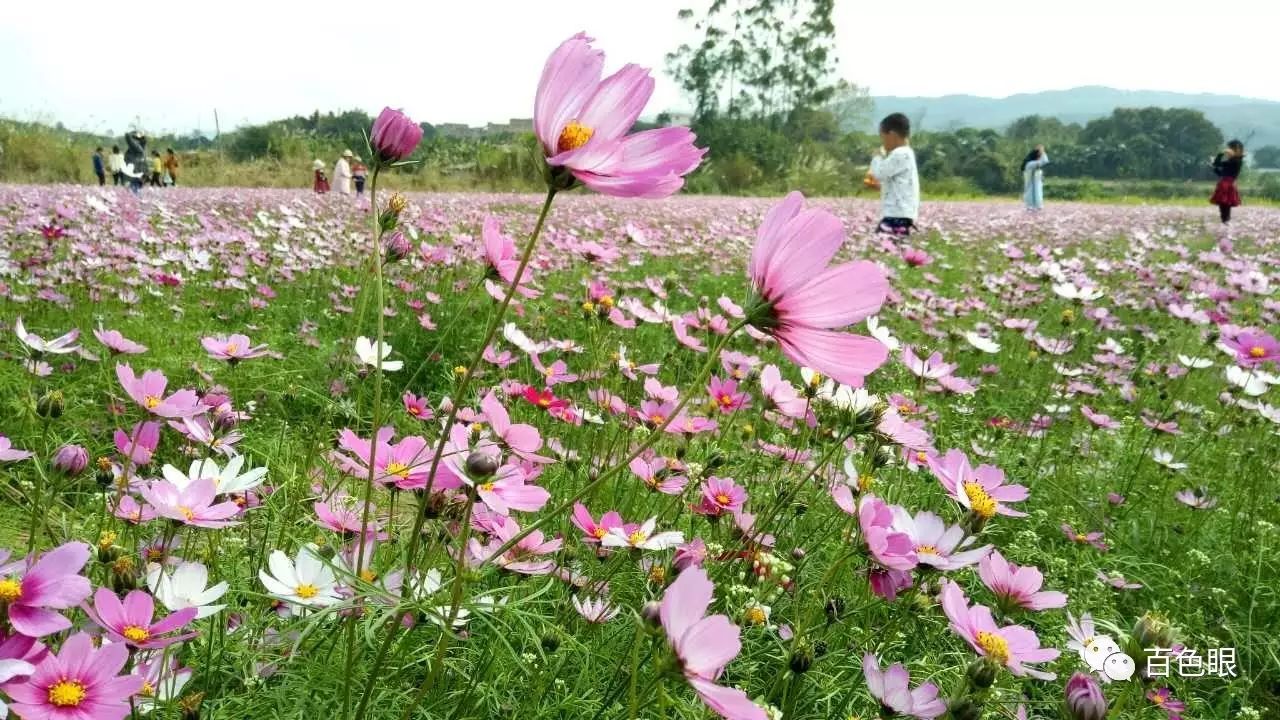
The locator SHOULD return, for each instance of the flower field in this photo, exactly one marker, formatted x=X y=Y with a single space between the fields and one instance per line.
x=273 y=454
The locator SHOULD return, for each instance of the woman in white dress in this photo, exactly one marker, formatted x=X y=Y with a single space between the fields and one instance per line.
x=342 y=173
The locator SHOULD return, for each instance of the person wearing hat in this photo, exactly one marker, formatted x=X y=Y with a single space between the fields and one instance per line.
x=321 y=185
x=342 y=173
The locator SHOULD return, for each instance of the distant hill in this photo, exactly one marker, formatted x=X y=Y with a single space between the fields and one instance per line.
x=1257 y=121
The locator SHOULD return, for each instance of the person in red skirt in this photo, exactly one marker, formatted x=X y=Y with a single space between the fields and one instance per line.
x=321 y=185
x=1227 y=167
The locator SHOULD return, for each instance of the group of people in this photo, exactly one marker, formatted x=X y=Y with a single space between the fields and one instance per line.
x=893 y=172
x=132 y=167
x=349 y=171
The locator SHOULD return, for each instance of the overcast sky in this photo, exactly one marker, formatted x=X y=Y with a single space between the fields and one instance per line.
x=99 y=65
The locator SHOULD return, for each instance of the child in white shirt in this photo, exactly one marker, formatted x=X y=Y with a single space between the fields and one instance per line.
x=894 y=169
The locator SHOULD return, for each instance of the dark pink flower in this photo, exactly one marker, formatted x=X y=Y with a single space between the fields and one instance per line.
x=394 y=136
x=80 y=682
x=131 y=622
x=32 y=589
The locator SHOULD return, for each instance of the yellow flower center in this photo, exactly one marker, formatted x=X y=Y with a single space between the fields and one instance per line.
x=926 y=550
x=66 y=693
x=921 y=456
x=658 y=574
x=606 y=302
x=187 y=512
x=106 y=539
x=232 y=348
x=400 y=470
x=133 y=633
x=10 y=590
x=636 y=538
x=587 y=306
x=994 y=646
x=104 y=464
x=738 y=374
x=981 y=503
x=368 y=575
x=487 y=487
x=573 y=136
x=815 y=381
x=415 y=410
x=151 y=401
x=904 y=408
x=1257 y=351
x=549 y=372
x=148 y=690
x=1080 y=537
x=599 y=533
x=755 y=615
x=722 y=498
x=726 y=400
x=460 y=370
x=865 y=482
x=657 y=419
x=306 y=591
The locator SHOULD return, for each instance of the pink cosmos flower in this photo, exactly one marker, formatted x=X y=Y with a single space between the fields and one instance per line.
x=1197 y=498
x=704 y=644
x=80 y=682
x=394 y=136
x=8 y=453
x=504 y=489
x=1090 y=538
x=31 y=589
x=981 y=490
x=1163 y=698
x=595 y=610
x=417 y=406
x=935 y=543
x=118 y=344
x=148 y=392
x=1012 y=645
x=131 y=511
x=592 y=531
x=658 y=475
x=641 y=537
x=1098 y=419
x=892 y=689
x=1253 y=348
x=915 y=257
x=405 y=464
x=345 y=514
x=690 y=554
x=1117 y=581
x=555 y=373
x=800 y=300
x=139 y=443
x=501 y=359
x=783 y=395
x=191 y=505
x=500 y=253
x=232 y=349
x=1017 y=586
x=131 y=623
x=932 y=368
x=582 y=123
x=726 y=396
x=525 y=557
x=61 y=345
x=719 y=496
x=523 y=440
x=887 y=546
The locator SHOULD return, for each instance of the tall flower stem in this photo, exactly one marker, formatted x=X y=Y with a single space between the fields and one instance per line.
x=415 y=538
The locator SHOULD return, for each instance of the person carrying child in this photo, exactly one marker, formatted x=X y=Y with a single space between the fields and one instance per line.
x=893 y=168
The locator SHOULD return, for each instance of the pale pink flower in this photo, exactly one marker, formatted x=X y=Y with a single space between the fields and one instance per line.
x=8 y=453
x=935 y=543
x=523 y=440
x=1016 y=585
x=148 y=392
x=642 y=537
x=500 y=253
x=80 y=682
x=117 y=343
x=526 y=557
x=191 y=505
x=232 y=349
x=981 y=490
x=1012 y=645
x=931 y=368
x=891 y=688
x=720 y=495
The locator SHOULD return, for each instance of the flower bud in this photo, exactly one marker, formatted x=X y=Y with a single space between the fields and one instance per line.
x=396 y=247
x=71 y=460
x=801 y=657
x=50 y=405
x=965 y=709
x=480 y=464
x=982 y=673
x=189 y=706
x=1153 y=631
x=651 y=612
x=1084 y=698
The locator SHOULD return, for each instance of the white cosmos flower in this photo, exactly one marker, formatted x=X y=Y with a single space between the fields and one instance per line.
x=882 y=334
x=304 y=581
x=185 y=588
x=853 y=399
x=366 y=355
x=985 y=344
x=1195 y=363
x=516 y=336
x=1110 y=345
x=226 y=480
x=643 y=537
x=1072 y=292
x=1270 y=412
x=1165 y=458
x=1250 y=383
x=58 y=346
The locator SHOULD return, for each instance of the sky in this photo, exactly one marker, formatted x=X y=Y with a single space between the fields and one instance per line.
x=168 y=65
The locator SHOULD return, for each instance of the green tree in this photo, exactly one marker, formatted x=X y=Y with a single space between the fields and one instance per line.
x=1267 y=156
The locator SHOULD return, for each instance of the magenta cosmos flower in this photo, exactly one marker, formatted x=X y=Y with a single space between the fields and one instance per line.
x=582 y=122
x=1253 y=348
x=79 y=683
x=8 y=453
x=130 y=622
x=704 y=645
x=981 y=490
x=523 y=440
x=500 y=253
x=800 y=300
x=232 y=349
x=1011 y=645
x=117 y=343
x=32 y=591
x=394 y=136
x=891 y=688
x=721 y=495
x=1019 y=586
x=148 y=391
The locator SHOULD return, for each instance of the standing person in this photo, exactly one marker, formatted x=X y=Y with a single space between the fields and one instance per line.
x=171 y=166
x=157 y=167
x=358 y=173
x=321 y=184
x=99 y=166
x=342 y=173
x=115 y=163
x=1227 y=167
x=135 y=160
x=894 y=170
x=1033 y=178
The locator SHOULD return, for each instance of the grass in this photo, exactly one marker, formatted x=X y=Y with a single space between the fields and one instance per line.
x=1211 y=573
